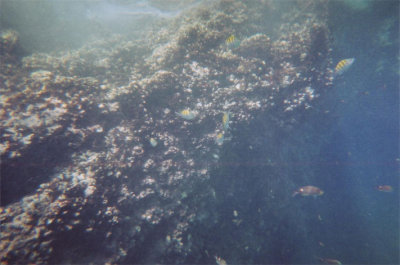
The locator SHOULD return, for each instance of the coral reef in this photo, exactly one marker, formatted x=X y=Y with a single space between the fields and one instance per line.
x=77 y=164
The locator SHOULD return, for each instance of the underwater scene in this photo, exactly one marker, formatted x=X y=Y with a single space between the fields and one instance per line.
x=199 y=132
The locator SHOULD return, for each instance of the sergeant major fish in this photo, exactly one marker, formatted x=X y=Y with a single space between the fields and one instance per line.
x=343 y=66
x=219 y=139
x=225 y=120
x=232 y=42
x=230 y=39
x=187 y=114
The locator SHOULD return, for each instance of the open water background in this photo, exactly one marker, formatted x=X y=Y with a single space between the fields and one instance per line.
x=364 y=141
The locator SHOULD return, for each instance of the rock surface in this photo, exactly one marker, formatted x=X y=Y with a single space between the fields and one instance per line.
x=77 y=166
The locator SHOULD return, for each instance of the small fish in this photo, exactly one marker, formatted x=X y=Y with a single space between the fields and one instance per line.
x=308 y=191
x=219 y=139
x=230 y=39
x=225 y=120
x=232 y=42
x=343 y=66
x=220 y=261
x=329 y=261
x=384 y=188
x=187 y=114
x=153 y=142
x=213 y=193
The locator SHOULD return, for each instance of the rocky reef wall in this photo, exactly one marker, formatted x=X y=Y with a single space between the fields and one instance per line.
x=81 y=180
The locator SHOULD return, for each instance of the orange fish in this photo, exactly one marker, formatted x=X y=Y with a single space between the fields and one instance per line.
x=384 y=188
x=308 y=191
x=329 y=261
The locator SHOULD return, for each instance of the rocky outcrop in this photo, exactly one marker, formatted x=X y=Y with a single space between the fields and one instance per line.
x=80 y=180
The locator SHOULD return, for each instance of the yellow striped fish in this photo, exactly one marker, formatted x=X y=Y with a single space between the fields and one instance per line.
x=219 y=139
x=230 y=39
x=187 y=114
x=343 y=66
x=232 y=42
x=225 y=120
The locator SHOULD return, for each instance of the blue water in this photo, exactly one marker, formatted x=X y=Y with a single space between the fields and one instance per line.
x=362 y=150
